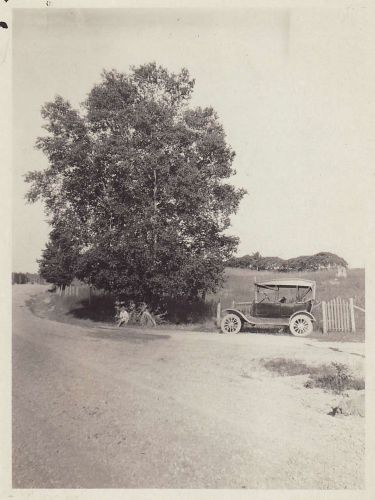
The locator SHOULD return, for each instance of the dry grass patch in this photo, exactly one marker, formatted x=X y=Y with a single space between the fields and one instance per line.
x=287 y=367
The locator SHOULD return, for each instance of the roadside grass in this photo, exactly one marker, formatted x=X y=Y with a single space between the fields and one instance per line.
x=335 y=377
x=239 y=284
x=74 y=310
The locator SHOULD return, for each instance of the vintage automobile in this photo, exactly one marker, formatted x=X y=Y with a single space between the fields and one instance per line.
x=278 y=303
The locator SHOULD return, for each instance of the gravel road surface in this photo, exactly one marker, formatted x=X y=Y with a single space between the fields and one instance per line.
x=130 y=408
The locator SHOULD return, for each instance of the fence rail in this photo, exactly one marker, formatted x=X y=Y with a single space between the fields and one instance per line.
x=360 y=308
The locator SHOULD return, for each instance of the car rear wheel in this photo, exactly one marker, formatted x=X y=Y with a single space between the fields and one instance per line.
x=301 y=325
x=231 y=323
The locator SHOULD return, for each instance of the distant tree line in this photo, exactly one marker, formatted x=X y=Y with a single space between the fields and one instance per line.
x=321 y=260
x=23 y=278
x=19 y=278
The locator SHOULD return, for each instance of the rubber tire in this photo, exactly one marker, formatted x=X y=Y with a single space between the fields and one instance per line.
x=231 y=323
x=301 y=325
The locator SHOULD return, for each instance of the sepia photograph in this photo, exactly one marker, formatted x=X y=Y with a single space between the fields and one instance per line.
x=189 y=242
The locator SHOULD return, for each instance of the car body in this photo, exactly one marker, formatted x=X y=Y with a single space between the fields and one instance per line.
x=278 y=303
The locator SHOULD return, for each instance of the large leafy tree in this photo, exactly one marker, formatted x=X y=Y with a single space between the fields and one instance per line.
x=136 y=178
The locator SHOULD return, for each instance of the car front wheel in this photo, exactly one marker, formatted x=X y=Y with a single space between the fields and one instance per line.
x=231 y=323
x=301 y=325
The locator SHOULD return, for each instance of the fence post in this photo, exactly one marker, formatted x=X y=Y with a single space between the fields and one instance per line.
x=90 y=294
x=218 y=314
x=351 y=303
x=233 y=304
x=340 y=314
x=337 y=307
x=347 y=312
x=324 y=313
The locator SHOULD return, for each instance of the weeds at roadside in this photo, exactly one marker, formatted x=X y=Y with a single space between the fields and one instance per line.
x=335 y=377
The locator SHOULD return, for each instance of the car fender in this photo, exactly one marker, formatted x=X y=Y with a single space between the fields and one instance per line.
x=302 y=312
x=237 y=312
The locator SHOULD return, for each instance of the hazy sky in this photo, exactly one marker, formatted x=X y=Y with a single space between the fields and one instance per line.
x=289 y=86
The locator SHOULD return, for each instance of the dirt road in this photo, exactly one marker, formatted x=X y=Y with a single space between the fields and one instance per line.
x=107 y=408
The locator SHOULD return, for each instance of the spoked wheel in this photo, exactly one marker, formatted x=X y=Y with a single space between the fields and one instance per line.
x=231 y=323
x=301 y=325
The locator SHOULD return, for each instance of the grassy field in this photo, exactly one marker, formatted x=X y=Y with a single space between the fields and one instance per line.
x=239 y=286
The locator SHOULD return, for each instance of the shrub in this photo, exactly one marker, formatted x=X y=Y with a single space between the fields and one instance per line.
x=336 y=378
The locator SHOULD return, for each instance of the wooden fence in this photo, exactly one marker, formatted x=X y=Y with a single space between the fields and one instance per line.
x=338 y=315
x=78 y=291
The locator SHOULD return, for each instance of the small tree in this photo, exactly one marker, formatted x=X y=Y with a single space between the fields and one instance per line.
x=59 y=259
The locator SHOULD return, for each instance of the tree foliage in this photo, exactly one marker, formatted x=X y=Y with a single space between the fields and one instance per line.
x=321 y=260
x=135 y=182
x=59 y=258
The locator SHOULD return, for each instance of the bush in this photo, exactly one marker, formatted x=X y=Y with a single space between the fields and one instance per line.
x=193 y=311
